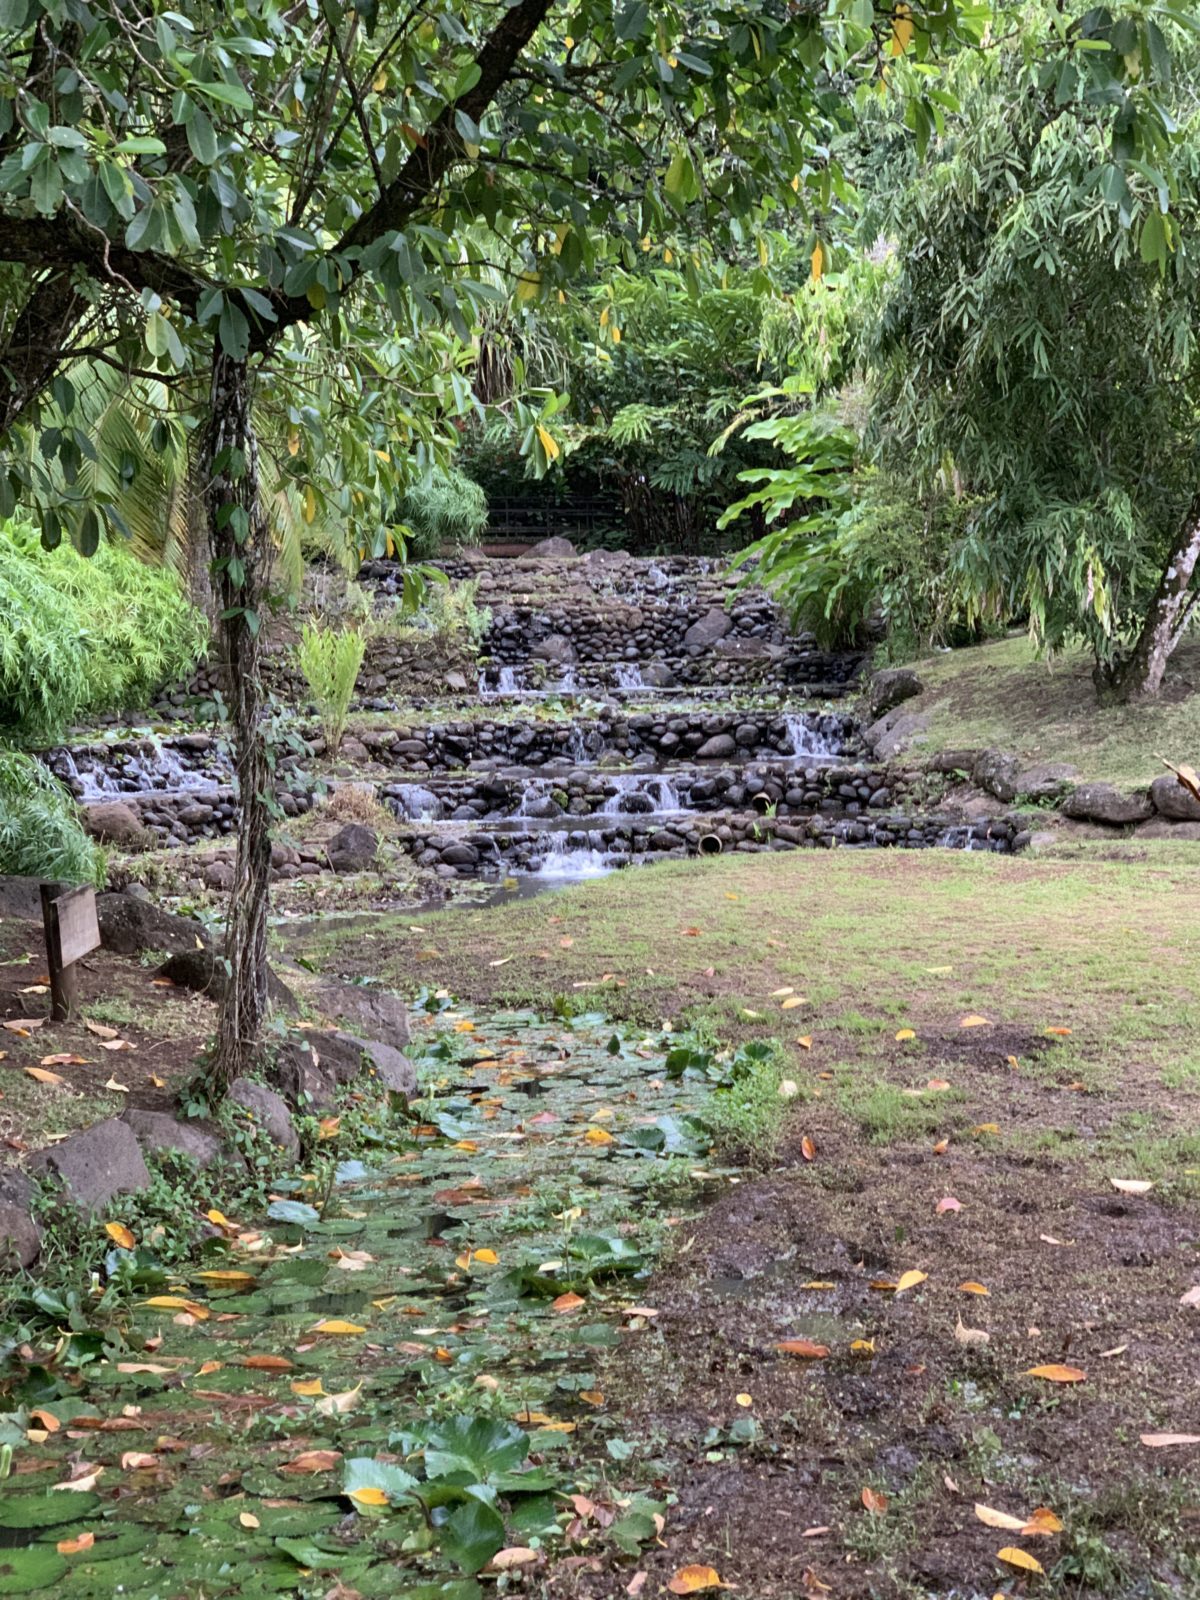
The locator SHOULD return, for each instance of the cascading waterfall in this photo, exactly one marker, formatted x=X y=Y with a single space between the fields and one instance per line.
x=807 y=741
x=415 y=803
x=628 y=675
x=657 y=788
x=563 y=860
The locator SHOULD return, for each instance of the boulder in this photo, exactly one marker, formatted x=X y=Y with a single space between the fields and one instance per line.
x=997 y=771
x=340 y=1055
x=162 y=1134
x=353 y=848
x=953 y=761
x=367 y=1010
x=20 y=1236
x=456 y=681
x=1104 y=802
x=1172 y=800
x=719 y=748
x=555 y=648
x=607 y=558
x=460 y=855
x=204 y=972
x=554 y=549
x=20 y=897
x=1163 y=828
x=890 y=688
x=129 y=925
x=658 y=675
x=743 y=649
x=219 y=875
x=113 y=822
x=268 y=1111
x=390 y=1068
x=894 y=732
x=1045 y=780
x=713 y=625
x=93 y=1166
x=299 y=1075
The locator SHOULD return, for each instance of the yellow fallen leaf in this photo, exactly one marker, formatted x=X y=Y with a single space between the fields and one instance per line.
x=120 y=1234
x=227 y=1277
x=695 y=1580
x=334 y=1325
x=790 y=1005
x=999 y=1519
x=176 y=1302
x=910 y=1280
x=862 y=1347
x=904 y=1035
x=308 y=1387
x=971 y=1287
x=986 y=1127
x=369 y=1495
x=974 y=1021
x=44 y=1076
x=1043 y=1520
x=598 y=1136
x=778 y=994
x=1021 y=1559
x=744 y=1399
x=1056 y=1372
x=248 y=1519
x=805 y=1041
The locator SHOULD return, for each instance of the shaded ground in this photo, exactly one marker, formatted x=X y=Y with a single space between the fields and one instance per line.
x=1084 y=1070
x=999 y=695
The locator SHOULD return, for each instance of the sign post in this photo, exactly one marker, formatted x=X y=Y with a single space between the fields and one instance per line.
x=69 y=918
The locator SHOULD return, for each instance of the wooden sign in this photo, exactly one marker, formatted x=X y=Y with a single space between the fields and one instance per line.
x=72 y=930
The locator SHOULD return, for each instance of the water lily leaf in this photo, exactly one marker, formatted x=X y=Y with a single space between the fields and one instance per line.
x=26 y=1571
x=371 y=1483
x=48 y=1510
x=478 y=1447
x=293 y=1211
x=472 y=1535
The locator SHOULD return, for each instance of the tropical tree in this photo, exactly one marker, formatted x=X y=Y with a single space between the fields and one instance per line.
x=257 y=201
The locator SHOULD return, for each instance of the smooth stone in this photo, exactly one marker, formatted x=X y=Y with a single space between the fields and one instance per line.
x=1172 y=800
x=269 y=1110
x=93 y=1166
x=1104 y=802
x=163 y=1134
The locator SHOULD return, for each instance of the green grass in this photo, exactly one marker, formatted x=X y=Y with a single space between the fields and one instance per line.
x=1000 y=695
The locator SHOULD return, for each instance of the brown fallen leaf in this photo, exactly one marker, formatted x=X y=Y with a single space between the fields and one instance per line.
x=267 y=1363
x=970 y=1337
x=100 y=1029
x=311 y=1461
x=116 y=1044
x=1162 y=1441
x=874 y=1502
x=567 y=1302
x=517 y=1555
x=24 y=1025
x=138 y=1460
x=807 y=1349
x=971 y=1287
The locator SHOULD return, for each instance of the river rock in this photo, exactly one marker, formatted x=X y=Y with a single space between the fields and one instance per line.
x=162 y=1134
x=113 y=822
x=20 y=1236
x=1172 y=800
x=269 y=1111
x=353 y=848
x=93 y=1166
x=129 y=925
x=364 y=1008
x=713 y=625
x=1104 y=802
x=20 y=897
x=219 y=875
x=555 y=648
x=719 y=748
x=390 y=1068
x=890 y=688
x=1164 y=828
x=658 y=675
x=996 y=771
x=299 y=1075
x=554 y=549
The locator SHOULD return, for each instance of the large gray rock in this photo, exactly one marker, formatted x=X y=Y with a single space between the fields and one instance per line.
x=93 y=1166
x=162 y=1134
x=20 y=897
x=345 y=1056
x=204 y=972
x=1172 y=800
x=953 y=761
x=390 y=1068
x=555 y=648
x=1045 y=780
x=555 y=549
x=1164 y=828
x=607 y=558
x=894 y=732
x=113 y=822
x=713 y=625
x=1104 y=802
x=268 y=1111
x=129 y=925
x=300 y=1077
x=20 y=1236
x=890 y=688
x=353 y=848
x=719 y=748
x=997 y=772
x=658 y=675
x=364 y=1009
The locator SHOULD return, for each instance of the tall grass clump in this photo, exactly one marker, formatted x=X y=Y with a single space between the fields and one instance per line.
x=330 y=658
x=80 y=635
x=447 y=508
x=40 y=832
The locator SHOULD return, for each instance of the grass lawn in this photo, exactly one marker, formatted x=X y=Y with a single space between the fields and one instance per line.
x=1000 y=695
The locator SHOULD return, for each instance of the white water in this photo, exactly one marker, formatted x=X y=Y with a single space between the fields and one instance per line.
x=660 y=790
x=628 y=675
x=561 y=861
x=152 y=770
x=418 y=804
x=506 y=683
x=806 y=740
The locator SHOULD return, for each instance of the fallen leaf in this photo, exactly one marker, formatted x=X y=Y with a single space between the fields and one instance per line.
x=25 y=1025
x=1021 y=1559
x=862 y=1347
x=904 y=1035
x=1056 y=1372
x=805 y=1041
x=311 y=1461
x=307 y=1387
x=369 y=1495
x=1117 y=1350
x=808 y=1149
x=986 y=1127
x=695 y=1580
x=1059 y=1033
x=116 y=1044
x=941 y=1147
x=120 y=1234
x=81 y=1485
x=1042 y=1520
x=1000 y=1519
x=974 y=1021
x=267 y=1363
x=1132 y=1185
x=744 y=1399
x=970 y=1337
x=637 y=1583
x=910 y=1280
x=971 y=1287
x=1161 y=1441
x=598 y=1136
x=1191 y=1298
x=790 y=1005
x=247 y=1519
x=117 y=1088
x=138 y=1460
x=517 y=1555
x=47 y=1419
x=337 y=1405
x=227 y=1277
x=42 y=1075
x=567 y=1302
x=875 y=1502
x=100 y=1029
x=949 y=1203
x=72 y=1547
x=64 y=1060
x=335 y=1325
x=806 y=1348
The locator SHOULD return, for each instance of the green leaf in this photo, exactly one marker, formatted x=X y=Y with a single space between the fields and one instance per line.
x=363 y=1472
x=49 y=1510
x=201 y=136
x=472 y=1535
x=234 y=331
x=474 y=1448
x=30 y=1570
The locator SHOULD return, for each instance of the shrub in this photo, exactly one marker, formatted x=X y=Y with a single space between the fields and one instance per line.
x=40 y=832
x=447 y=508
x=80 y=635
x=330 y=658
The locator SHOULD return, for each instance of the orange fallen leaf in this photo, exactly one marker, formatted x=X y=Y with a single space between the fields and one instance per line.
x=1056 y=1372
x=1059 y=1033
x=567 y=1302
x=1043 y=1520
x=267 y=1363
x=72 y=1547
x=695 y=1580
x=875 y=1502
x=941 y=1147
x=1021 y=1559
x=971 y=1287
x=311 y=1461
x=42 y=1075
x=47 y=1419
x=808 y=1149
x=805 y=1041
x=120 y=1234
x=805 y=1348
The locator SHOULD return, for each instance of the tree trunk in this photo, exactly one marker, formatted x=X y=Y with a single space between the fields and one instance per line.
x=1139 y=676
x=241 y=556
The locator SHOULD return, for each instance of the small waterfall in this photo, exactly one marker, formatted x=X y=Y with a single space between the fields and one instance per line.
x=415 y=803
x=97 y=772
x=628 y=675
x=806 y=740
x=563 y=860
x=576 y=749
x=567 y=684
x=658 y=790
x=506 y=683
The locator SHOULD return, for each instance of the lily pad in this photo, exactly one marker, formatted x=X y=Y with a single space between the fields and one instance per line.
x=27 y=1571
x=49 y=1510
